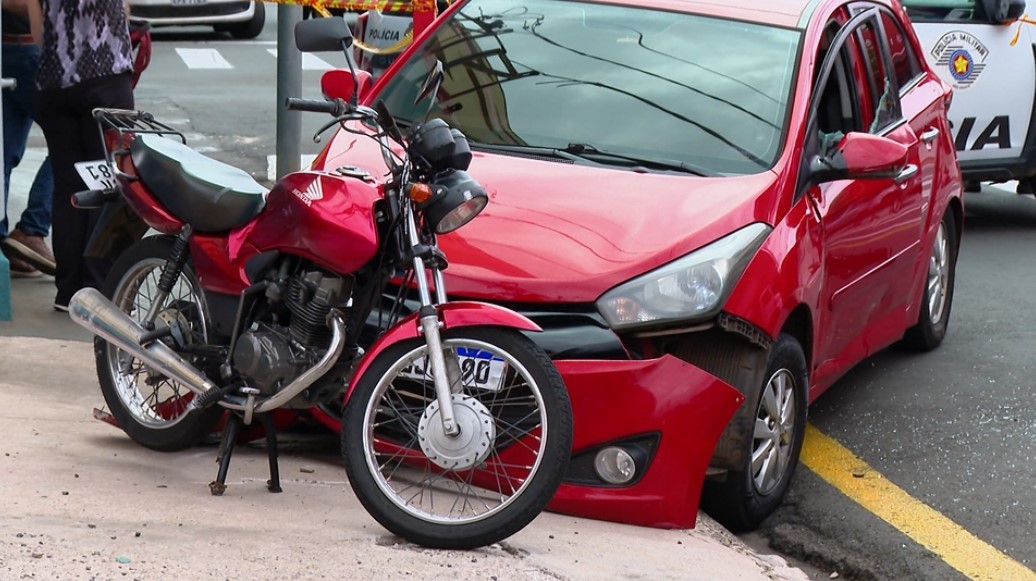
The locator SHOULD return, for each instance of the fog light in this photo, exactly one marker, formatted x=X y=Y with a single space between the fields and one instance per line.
x=615 y=465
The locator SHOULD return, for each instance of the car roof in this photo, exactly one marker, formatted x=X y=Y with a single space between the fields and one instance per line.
x=787 y=13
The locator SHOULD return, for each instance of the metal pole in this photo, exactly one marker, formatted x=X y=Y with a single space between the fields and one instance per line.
x=289 y=84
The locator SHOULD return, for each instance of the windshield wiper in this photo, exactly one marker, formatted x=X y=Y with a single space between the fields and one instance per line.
x=529 y=150
x=584 y=153
x=592 y=153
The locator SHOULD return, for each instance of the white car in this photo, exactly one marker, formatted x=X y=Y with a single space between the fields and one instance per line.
x=987 y=54
x=240 y=19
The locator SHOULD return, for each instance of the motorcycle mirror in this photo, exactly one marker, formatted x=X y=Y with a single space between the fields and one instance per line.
x=343 y=84
x=323 y=35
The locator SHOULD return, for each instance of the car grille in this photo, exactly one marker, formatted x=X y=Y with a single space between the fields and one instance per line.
x=197 y=10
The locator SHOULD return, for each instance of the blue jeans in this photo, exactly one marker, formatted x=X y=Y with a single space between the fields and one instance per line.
x=20 y=62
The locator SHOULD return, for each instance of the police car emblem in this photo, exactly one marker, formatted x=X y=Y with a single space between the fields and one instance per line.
x=963 y=55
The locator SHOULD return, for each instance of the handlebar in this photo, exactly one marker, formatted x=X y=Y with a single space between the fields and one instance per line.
x=335 y=107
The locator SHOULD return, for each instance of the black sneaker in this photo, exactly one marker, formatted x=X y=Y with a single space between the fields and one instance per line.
x=61 y=305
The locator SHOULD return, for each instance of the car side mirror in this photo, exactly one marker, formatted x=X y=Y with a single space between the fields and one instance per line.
x=340 y=84
x=860 y=156
x=323 y=35
x=1015 y=10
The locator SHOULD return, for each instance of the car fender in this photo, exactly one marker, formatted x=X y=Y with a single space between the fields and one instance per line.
x=452 y=315
x=782 y=275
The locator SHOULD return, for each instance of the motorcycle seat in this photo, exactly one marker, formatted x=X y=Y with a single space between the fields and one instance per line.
x=209 y=195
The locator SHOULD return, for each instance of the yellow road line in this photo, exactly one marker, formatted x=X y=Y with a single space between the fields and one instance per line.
x=949 y=541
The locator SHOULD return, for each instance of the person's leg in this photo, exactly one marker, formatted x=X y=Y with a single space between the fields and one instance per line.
x=110 y=92
x=66 y=116
x=58 y=116
x=35 y=219
x=26 y=241
x=18 y=62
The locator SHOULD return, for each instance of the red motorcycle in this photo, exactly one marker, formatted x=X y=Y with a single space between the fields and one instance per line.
x=457 y=428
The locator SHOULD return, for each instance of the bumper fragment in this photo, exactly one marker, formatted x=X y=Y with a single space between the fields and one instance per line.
x=615 y=400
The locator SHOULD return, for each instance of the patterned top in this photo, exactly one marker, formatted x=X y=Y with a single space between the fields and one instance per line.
x=82 y=40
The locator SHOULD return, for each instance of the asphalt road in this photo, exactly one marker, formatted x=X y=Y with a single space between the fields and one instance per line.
x=954 y=428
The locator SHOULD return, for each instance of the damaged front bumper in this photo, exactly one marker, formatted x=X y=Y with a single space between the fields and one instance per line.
x=666 y=414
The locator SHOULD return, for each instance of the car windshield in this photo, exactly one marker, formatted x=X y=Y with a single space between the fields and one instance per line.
x=608 y=83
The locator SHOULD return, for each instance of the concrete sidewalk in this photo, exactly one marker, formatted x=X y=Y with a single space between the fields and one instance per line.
x=81 y=501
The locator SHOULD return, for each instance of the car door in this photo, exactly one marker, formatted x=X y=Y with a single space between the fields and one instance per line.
x=922 y=100
x=869 y=228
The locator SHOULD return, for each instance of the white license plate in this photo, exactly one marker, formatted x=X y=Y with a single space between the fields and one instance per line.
x=478 y=368
x=187 y=2
x=97 y=175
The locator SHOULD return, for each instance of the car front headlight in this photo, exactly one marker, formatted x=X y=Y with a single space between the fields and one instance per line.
x=692 y=288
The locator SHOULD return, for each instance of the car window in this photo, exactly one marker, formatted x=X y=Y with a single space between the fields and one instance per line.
x=944 y=10
x=905 y=63
x=838 y=107
x=709 y=92
x=884 y=104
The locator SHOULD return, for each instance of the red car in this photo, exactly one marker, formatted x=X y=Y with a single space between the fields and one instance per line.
x=713 y=210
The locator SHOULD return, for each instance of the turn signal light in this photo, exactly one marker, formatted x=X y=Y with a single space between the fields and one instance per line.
x=420 y=192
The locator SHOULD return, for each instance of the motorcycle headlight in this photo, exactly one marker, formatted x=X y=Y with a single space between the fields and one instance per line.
x=455 y=199
x=692 y=288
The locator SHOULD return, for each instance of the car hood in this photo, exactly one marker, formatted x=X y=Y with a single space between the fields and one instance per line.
x=566 y=233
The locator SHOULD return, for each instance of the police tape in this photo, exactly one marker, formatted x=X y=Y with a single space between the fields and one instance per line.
x=1023 y=20
x=322 y=6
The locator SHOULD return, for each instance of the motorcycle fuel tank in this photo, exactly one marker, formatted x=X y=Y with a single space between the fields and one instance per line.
x=323 y=216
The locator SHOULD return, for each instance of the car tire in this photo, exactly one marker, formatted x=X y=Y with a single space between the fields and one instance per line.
x=250 y=29
x=748 y=496
x=934 y=311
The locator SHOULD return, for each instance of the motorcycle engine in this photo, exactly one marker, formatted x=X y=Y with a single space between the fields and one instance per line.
x=266 y=357
x=270 y=355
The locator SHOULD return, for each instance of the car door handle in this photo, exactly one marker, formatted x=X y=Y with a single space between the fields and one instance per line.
x=906 y=173
x=930 y=135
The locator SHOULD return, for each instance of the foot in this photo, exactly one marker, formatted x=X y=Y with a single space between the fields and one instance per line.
x=31 y=249
x=22 y=269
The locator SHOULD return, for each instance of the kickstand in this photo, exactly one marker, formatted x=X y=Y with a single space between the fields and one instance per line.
x=274 y=483
x=226 y=448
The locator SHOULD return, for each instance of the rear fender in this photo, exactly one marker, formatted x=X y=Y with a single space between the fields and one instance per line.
x=118 y=227
x=452 y=315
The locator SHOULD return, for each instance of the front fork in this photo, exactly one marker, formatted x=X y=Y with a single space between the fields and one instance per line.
x=444 y=373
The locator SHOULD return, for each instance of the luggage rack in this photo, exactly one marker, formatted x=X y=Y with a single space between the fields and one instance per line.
x=125 y=121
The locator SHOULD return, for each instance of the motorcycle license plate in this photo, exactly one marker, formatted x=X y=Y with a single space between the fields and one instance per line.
x=97 y=175
x=477 y=368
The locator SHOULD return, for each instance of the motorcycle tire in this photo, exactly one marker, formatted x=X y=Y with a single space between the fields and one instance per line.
x=147 y=406
x=512 y=452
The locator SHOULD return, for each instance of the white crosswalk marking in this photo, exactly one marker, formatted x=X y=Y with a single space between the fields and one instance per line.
x=203 y=58
x=310 y=62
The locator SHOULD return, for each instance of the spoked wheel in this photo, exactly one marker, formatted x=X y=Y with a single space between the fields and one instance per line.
x=476 y=488
x=148 y=406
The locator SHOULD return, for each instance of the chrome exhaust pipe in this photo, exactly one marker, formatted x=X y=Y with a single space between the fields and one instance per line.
x=91 y=309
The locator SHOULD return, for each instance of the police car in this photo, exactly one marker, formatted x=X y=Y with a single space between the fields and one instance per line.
x=381 y=29
x=984 y=50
